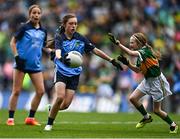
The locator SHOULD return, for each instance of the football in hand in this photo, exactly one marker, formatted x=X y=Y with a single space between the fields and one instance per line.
x=75 y=59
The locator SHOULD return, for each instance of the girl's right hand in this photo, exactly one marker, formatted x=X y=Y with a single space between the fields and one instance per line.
x=116 y=64
x=65 y=60
x=123 y=59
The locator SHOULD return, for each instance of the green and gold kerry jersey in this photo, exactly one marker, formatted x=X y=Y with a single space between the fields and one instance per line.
x=148 y=63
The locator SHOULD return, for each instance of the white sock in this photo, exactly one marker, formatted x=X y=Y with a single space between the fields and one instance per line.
x=146 y=116
x=173 y=124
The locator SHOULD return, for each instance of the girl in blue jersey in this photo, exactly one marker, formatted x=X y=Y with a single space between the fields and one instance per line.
x=66 y=78
x=27 y=45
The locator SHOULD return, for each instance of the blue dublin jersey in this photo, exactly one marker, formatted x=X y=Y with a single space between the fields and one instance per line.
x=29 y=44
x=76 y=43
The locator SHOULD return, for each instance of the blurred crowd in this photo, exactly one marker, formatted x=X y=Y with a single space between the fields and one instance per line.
x=158 y=19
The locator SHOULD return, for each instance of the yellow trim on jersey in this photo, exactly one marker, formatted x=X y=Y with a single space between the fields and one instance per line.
x=148 y=64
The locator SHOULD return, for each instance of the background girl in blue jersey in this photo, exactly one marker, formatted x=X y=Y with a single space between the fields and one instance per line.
x=27 y=45
x=66 y=78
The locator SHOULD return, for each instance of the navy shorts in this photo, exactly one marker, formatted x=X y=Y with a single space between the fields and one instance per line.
x=71 y=82
x=28 y=71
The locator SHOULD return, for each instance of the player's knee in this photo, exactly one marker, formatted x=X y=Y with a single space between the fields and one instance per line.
x=40 y=93
x=156 y=111
x=132 y=99
x=16 y=92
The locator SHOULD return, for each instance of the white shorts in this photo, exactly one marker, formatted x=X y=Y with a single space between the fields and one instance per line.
x=157 y=87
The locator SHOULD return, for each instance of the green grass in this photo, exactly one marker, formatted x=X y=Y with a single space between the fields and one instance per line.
x=86 y=125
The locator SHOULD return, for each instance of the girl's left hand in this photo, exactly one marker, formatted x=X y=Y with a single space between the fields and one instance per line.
x=116 y=64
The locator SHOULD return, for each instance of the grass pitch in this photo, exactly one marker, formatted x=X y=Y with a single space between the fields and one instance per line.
x=86 y=125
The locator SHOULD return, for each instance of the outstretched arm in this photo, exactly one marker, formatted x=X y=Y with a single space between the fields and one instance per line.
x=126 y=62
x=121 y=46
x=103 y=55
x=128 y=51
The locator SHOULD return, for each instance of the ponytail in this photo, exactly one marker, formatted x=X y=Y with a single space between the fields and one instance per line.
x=61 y=29
x=142 y=41
x=156 y=53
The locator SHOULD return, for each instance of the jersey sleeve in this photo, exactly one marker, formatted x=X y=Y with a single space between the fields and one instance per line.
x=58 y=41
x=138 y=62
x=141 y=53
x=19 y=34
x=88 y=46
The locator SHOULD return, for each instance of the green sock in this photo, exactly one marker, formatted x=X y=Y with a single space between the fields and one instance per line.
x=168 y=120
x=142 y=110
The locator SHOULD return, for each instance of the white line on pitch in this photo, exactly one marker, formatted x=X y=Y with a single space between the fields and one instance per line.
x=103 y=123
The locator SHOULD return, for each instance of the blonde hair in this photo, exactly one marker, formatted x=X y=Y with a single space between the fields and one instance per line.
x=141 y=41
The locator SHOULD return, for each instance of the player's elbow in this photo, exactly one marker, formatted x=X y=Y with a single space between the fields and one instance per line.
x=133 y=53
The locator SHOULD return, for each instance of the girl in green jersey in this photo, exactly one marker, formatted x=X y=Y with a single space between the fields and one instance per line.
x=154 y=83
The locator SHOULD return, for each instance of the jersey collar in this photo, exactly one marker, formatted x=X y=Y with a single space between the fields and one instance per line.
x=31 y=24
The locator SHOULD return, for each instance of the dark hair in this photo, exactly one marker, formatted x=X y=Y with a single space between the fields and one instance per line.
x=65 y=20
x=142 y=41
x=32 y=7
